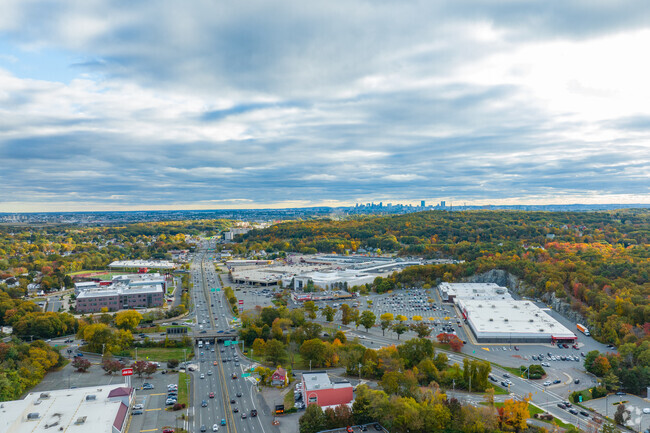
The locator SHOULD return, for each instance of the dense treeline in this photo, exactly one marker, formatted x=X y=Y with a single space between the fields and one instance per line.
x=436 y=233
x=48 y=254
x=23 y=365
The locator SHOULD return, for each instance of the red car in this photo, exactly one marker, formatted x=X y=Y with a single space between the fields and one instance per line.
x=211 y=395
x=168 y=430
x=349 y=429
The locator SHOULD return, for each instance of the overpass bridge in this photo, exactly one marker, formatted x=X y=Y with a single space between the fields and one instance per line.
x=211 y=335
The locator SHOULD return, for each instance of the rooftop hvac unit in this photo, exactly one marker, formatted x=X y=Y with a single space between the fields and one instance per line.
x=44 y=395
x=491 y=319
x=530 y=320
x=505 y=320
x=80 y=420
x=541 y=329
x=32 y=416
x=493 y=306
x=91 y=397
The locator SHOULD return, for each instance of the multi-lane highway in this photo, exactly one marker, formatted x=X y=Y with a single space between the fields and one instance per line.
x=233 y=399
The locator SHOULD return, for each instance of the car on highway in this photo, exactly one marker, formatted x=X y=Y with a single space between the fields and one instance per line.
x=556 y=381
x=235 y=409
x=584 y=413
x=203 y=428
x=204 y=403
x=363 y=428
x=378 y=427
x=349 y=429
x=215 y=427
x=202 y=376
x=232 y=401
x=243 y=415
x=167 y=430
x=223 y=421
x=211 y=395
x=209 y=372
x=239 y=394
x=561 y=405
x=254 y=413
x=234 y=375
x=547 y=383
x=573 y=411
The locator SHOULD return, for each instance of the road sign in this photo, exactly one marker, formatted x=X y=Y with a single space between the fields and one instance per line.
x=212 y=290
x=241 y=302
x=218 y=289
x=226 y=343
x=127 y=372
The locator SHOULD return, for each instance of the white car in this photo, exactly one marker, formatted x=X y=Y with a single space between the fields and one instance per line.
x=202 y=376
x=646 y=410
x=215 y=427
x=547 y=383
x=138 y=406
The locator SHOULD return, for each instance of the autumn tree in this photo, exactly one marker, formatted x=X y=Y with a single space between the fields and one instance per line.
x=81 y=364
x=385 y=321
x=513 y=415
x=128 y=319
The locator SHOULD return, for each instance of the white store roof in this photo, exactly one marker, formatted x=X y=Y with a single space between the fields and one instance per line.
x=503 y=318
x=487 y=291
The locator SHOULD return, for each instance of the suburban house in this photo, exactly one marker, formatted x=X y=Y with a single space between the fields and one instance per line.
x=279 y=377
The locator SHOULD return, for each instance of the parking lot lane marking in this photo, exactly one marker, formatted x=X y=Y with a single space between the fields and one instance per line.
x=158 y=408
x=151 y=429
x=162 y=393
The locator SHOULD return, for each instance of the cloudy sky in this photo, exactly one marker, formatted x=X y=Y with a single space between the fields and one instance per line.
x=221 y=104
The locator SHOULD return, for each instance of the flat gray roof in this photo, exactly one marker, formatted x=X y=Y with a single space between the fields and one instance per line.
x=62 y=409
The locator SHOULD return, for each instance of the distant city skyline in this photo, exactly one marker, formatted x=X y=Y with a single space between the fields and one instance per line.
x=211 y=105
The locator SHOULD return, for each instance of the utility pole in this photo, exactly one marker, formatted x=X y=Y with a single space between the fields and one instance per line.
x=310 y=365
x=470 y=383
x=359 y=372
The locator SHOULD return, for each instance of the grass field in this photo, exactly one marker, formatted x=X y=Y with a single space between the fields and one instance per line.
x=288 y=400
x=182 y=388
x=161 y=354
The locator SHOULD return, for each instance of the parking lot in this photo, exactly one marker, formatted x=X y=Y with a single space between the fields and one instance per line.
x=607 y=406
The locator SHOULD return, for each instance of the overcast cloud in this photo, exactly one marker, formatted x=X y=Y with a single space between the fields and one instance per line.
x=215 y=104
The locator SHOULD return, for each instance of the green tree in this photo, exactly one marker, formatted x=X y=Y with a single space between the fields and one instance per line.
x=328 y=312
x=275 y=352
x=367 y=319
x=313 y=420
x=399 y=328
x=311 y=308
x=421 y=329
x=313 y=350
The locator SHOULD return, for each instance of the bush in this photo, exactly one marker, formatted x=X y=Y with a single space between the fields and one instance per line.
x=177 y=406
x=598 y=392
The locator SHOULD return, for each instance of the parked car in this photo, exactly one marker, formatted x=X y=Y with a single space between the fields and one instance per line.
x=137 y=412
x=138 y=406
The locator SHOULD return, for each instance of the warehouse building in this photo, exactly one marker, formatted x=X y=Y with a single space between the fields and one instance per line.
x=142 y=264
x=485 y=291
x=510 y=321
x=102 y=409
x=319 y=389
